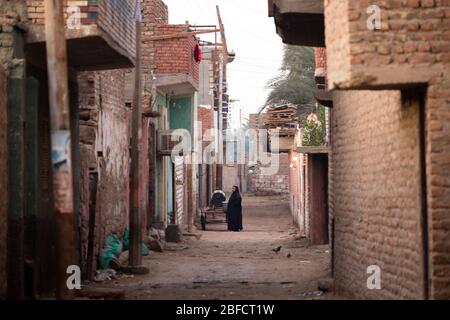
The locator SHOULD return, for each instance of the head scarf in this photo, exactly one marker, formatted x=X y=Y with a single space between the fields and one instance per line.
x=235 y=195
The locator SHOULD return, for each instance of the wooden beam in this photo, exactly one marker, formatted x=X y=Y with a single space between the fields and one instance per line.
x=149 y=113
x=61 y=140
x=135 y=258
x=181 y=35
x=222 y=34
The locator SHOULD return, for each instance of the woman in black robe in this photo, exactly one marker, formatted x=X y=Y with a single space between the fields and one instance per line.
x=234 y=211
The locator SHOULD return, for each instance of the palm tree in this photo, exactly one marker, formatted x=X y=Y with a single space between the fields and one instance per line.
x=296 y=82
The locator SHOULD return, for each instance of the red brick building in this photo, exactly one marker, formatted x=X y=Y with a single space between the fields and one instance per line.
x=388 y=196
x=103 y=40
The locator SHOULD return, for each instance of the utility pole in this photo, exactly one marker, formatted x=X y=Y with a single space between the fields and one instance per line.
x=60 y=143
x=135 y=257
x=222 y=63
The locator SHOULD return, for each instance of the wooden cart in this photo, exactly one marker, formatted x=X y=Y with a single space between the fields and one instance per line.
x=215 y=215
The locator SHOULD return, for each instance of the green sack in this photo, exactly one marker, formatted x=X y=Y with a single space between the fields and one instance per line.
x=111 y=250
x=125 y=239
x=145 y=251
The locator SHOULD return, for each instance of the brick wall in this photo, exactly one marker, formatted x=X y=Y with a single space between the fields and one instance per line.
x=206 y=117
x=320 y=58
x=114 y=17
x=411 y=49
x=154 y=13
x=176 y=55
x=412 y=33
x=3 y=181
x=88 y=10
x=104 y=148
x=376 y=186
x=11 y=14
x=272 y=184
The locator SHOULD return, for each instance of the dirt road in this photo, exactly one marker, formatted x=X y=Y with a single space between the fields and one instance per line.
x=235 y=265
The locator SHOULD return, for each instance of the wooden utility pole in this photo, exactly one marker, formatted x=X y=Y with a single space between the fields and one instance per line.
x=60 y=143
x=222 y=65
x=134 y=257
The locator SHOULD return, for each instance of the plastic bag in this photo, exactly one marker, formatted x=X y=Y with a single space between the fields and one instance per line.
x=145 y=251
x=111 y=250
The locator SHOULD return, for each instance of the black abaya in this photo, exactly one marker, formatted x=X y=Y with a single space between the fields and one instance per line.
x=234 y=212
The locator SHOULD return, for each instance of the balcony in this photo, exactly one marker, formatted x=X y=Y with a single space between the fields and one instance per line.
x=176 y=71
x=100 y=34
x=299 y=22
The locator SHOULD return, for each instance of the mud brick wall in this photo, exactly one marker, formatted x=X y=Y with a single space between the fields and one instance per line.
x=176 y=56
x=376 y=186
x=412 y=49
x=413 y=33
x=272 y=184
x=104 y=148
x=12 y=13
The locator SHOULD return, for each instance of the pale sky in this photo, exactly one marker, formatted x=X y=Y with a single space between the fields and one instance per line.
x=250 y=33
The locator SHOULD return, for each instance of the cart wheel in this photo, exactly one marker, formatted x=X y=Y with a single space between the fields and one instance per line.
x=203 y=222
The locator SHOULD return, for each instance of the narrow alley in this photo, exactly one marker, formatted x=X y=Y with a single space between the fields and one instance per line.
x=225 y=150
x=237 y=266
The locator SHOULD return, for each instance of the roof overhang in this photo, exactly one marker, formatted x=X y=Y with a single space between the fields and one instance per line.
x=299 y=22
x=324 y=97
x=176 y=84
x=88 y=48
x=314 y=150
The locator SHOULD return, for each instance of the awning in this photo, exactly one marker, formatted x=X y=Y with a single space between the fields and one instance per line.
x=299 y=22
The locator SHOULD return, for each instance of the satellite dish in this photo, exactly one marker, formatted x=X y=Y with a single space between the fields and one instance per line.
x=231 y=56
